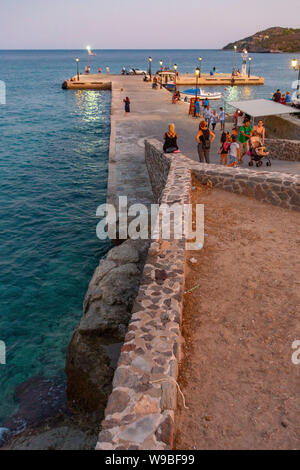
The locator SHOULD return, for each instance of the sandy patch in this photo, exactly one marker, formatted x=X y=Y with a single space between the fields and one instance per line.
x=240 y=385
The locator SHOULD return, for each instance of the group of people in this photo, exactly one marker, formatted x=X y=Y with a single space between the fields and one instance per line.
x=282 y=98
x=234 y=145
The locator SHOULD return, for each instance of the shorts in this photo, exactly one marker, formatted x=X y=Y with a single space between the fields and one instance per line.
x=244 y=147
x=232 y=159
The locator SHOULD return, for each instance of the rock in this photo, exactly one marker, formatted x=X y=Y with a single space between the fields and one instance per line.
x=123 y=254
x=165 y=431
x=121 y=285
x=117 y=402
x=89 y=373
x=140 y=429
x=60 y=438
x=169 y=396
x=92 y=355
x=145 y=406
x=39 y=399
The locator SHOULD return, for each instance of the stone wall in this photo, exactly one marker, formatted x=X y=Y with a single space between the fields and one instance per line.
x=282 y=149
x=283 y=127
x=140 y=410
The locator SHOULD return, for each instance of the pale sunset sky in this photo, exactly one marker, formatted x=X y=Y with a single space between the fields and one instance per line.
x=135 y=24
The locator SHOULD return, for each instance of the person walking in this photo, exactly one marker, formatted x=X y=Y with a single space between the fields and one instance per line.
x=214 y=119
x=204 y=139
x=224 y=149
x=234 y=153
x=222 y=119
x=244 y=135
x=261 y=131
x=207 y=115
x=127 y=105
x=197 y=108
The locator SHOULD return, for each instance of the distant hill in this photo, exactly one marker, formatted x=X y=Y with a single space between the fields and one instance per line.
x=275 y=39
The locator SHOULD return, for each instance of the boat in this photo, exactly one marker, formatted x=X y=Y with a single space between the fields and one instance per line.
x=201 y=94
x=170 y=85
x=296 y=102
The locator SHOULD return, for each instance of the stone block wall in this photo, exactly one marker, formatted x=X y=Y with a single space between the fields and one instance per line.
x=282 y=149
x=141 y=408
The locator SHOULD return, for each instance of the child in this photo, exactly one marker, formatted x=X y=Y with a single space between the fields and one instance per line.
x=256 y=144
x=234 y=153
x=222 y=118
x=214 y=119
x=207 y=116
x=197 y=108
x=224 y=149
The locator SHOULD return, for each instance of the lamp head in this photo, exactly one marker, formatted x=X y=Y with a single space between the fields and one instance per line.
x=197 y=71
x=161 y=62
x=250 y=58
x=77 y=60
x=88 y=48
x=294 y=63
x=200 y=58
x=150 y=59
x=175 y=67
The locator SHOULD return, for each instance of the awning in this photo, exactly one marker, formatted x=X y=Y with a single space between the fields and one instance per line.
x=257 y=108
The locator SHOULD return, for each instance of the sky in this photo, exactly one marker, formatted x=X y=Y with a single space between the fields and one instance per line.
x=136 y=24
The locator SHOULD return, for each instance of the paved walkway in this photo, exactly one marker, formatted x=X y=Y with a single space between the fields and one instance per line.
x=151 y=111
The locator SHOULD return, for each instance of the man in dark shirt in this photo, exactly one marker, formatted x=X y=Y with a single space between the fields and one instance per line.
x=277 y=96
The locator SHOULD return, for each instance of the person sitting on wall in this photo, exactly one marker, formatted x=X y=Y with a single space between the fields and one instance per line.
x=277 y=96
x=288 y=98
x=170 y=138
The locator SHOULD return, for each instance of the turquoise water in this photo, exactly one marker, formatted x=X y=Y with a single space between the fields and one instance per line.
x=53 y=157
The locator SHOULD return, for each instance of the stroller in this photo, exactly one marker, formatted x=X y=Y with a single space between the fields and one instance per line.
x=255 y=157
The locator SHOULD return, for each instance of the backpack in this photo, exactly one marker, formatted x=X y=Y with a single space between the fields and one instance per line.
x=205 y=139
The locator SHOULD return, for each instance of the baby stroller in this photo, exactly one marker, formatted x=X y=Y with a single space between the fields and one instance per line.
x=256 y=157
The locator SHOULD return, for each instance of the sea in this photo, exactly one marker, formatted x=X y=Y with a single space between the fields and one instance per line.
x=54 y=147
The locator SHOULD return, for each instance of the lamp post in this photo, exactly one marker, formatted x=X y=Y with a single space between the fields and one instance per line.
x=77 y=62
x=234 y=58
x=197 y=72
x=88 y=48
x=175 y=68
x=200 y=62
x=296 y=65
x=249 y=69
x=161 y=64
x=150 y=72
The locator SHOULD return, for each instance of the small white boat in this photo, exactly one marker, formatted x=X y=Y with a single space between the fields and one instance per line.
x=296 y=102
x=201 y=94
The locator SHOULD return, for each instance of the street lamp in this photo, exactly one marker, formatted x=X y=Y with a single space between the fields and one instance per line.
x=197 y=72
x=249 y=70
x=296 y=65
x=150 y=73
x=234 y=59
x=88 y=48
x=161 y=64
x=200 y=62
x=175 y=68
x=77 y=62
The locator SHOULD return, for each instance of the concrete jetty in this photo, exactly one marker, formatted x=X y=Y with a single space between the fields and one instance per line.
x=103 y=81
